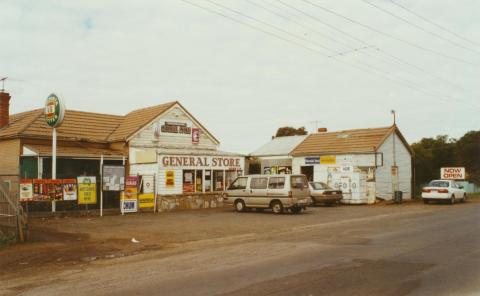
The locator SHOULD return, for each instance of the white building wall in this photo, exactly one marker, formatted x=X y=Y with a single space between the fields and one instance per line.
x=383 y=175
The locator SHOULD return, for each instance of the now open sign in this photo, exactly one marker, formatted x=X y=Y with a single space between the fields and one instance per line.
x=457 y=173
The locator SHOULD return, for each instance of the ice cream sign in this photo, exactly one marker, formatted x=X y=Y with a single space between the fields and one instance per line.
x=456 y=173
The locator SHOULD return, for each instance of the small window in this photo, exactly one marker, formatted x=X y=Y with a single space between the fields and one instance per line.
x=299 y=182
x=258 y=183
x=239 y=183
x=276 y=183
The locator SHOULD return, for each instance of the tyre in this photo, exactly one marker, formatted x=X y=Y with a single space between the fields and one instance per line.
x=452 y=200
x=296 y=210
x=425 y=201
x=239 y=206
x=277 y=207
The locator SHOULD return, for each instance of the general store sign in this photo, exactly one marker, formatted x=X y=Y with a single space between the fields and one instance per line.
x=222 y=162
x=455 y=173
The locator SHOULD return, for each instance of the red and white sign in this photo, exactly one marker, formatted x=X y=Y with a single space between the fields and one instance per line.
x=457 y=173
x=195 y=135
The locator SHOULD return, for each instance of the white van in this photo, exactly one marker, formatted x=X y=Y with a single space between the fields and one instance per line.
x=277 y=192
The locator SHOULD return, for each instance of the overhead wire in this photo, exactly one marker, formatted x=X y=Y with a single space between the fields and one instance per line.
x=418 y=27
x=390 y=35
x=433 y=23
x=364 y=67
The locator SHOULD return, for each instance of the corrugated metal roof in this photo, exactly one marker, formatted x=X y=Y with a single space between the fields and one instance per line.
x=348 y=141
x=279 y=146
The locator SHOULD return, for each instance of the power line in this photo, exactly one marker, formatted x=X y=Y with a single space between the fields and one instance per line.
x=390 y=36
x=433 y=23
x=418 y=27
x=364 y=68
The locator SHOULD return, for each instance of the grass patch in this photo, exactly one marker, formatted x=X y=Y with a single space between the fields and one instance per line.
x=7 y=240
x=473 y=195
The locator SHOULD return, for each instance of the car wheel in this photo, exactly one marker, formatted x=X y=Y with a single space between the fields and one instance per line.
x=425 y=201
x=239 y=206
x=296 y=210
x=277 y=207
x=452 y=200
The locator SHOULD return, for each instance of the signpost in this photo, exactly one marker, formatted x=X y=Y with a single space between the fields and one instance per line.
x=455 y=173
x=54 y=114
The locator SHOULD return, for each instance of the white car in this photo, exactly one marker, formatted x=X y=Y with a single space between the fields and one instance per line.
x=443 y=190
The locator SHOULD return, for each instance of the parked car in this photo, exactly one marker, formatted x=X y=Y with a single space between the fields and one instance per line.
x=321 y=193
x=443 y=190
x=276 y=192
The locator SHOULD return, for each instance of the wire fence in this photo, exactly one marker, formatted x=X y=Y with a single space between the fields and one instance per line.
x=13 y=220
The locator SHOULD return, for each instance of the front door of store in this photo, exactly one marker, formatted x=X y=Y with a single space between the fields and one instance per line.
x=307 y=171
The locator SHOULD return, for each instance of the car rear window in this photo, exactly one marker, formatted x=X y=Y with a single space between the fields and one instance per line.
x=299 y=182
x=438 y=184
x=258 y=183
x=276 y=183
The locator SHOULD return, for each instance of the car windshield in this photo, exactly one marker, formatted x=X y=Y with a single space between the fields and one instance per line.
x=438 y=184
x=319 y=186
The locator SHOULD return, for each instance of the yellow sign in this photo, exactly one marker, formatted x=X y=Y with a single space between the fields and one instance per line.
x=146 y=200
x=87 y=190
x=328 y=159
x=169 y=179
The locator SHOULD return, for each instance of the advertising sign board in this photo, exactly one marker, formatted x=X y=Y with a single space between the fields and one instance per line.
x=454 y=173
x=26 y=190
x=69 y=189
x=113 y=178
x=87 y=190
x=54 y=110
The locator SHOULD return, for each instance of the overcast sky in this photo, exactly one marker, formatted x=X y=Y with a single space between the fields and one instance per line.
x=277 y=65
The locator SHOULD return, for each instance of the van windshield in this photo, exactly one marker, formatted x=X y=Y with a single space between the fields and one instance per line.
x=239 y=183
x=299 y=182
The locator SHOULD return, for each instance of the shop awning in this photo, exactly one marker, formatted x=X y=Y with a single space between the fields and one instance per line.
x=71 y=151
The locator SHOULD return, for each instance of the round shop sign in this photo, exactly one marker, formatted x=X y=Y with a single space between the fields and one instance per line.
x=54 y=110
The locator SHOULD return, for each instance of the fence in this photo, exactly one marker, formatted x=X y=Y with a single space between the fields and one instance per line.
x=13 y=220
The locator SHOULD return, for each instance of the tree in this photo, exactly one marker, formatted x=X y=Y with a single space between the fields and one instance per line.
x=468 y=155
x=290 y=131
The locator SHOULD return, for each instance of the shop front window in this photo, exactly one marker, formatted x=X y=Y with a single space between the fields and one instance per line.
x=208 y=180
x=199 y=181
x=230 y=176
x=188 y=181
x=218 y=180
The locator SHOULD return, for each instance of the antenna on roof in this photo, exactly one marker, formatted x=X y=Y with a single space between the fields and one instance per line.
x=3 y=83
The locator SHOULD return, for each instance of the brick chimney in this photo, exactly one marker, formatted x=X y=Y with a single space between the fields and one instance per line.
x=4 y=108
x=322 y=130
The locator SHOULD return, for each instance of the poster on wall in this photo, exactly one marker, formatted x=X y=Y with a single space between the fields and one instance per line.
x=148 y=184
x=113 y=178
x=69 y=189
x=131 y=187
x=55 y=190
x=87 y=190
x=169 y=179
x=40 y=190
x=146 y=200
x=328 y=159
x=195 y=135
x=26 y=190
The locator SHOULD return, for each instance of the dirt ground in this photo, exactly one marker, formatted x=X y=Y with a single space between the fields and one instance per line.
x=72 y=242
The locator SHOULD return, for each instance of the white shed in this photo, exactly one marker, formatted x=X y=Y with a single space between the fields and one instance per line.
x=365 y=163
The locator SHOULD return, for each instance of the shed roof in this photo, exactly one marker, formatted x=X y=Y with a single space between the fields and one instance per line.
x=75 y=151
x=347 y=141
x=279 y=146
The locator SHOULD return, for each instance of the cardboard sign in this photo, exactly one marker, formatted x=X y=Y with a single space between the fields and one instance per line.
x=69 y=189
x=87 y=190
x=146 y=201
x=26 y=190
x=455 y=173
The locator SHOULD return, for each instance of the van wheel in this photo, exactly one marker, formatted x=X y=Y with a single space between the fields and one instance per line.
x=296 y=210
x=239 y=206
x=452 y=200
x=277 y=207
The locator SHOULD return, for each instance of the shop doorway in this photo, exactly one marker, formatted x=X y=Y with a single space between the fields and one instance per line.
x=307 y=171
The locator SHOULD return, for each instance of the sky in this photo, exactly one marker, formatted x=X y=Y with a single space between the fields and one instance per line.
x=247 y=67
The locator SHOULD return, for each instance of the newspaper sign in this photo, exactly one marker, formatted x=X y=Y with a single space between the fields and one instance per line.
x=113 y=178
x=146 y=200
x=129 y=206
x=26 y=190
x=87 y=190
x=456 y=173
x=69 y=189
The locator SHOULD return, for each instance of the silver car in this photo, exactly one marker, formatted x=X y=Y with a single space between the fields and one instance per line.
x=321 y=193
x=275 y=192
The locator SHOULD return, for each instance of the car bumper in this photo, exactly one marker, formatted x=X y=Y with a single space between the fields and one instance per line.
x=327 y=198
x=436 y=195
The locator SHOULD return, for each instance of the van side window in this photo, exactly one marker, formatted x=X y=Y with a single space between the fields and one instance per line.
x=276 y=183
x=299 y=182
x=239 y=183
x=258 y=183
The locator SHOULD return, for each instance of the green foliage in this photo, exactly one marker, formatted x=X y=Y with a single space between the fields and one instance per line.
x=433 y=153
x=6 y=240
x=290 y=131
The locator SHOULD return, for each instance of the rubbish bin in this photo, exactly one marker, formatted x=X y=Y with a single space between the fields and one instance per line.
x=398 y=196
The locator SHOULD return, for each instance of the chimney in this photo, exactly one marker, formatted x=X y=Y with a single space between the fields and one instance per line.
x=4 y=108
x=322 y=130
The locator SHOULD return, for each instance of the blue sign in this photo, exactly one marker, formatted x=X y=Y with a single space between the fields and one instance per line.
x=312 y=160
